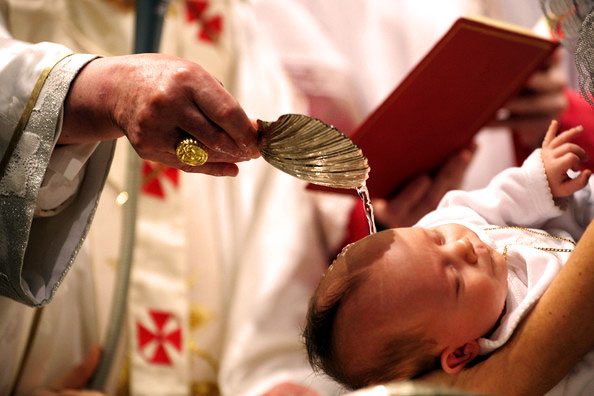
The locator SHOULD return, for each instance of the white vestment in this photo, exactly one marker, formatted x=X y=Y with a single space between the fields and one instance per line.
x=224 y=267
x=38 y=184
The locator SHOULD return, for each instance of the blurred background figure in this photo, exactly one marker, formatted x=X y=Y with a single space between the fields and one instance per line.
x=351 y=54
x=224 y=268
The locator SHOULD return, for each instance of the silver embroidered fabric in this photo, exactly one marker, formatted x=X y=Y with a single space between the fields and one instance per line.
x=23 y=177
x=572 y=22
x=584 y=59
x=565 y=17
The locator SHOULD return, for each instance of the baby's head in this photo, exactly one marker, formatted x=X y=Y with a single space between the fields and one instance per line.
x=404 y=301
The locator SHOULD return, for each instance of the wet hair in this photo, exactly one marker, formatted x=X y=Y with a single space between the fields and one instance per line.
x=406 y=356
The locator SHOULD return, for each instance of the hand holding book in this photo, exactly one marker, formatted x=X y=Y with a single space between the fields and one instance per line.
x=422 y=194
x=541 y=100
x=445 y=100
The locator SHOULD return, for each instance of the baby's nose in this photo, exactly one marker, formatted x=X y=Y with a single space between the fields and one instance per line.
x=464 y=250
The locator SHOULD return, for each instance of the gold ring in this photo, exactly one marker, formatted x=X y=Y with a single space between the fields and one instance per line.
x=190 y=152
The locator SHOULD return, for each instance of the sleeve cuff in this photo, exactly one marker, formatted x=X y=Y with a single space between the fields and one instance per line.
x=62 y=178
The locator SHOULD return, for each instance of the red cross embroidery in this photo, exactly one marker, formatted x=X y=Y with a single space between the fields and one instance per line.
x=153 y=175
x=167 y=336
x=210 y=26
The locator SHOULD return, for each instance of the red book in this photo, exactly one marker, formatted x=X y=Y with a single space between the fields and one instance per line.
x=445 y=100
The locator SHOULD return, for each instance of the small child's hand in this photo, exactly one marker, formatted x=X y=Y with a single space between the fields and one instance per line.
x=559 y=155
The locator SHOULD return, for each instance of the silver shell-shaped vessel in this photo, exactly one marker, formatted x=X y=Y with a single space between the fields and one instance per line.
x=313 y=151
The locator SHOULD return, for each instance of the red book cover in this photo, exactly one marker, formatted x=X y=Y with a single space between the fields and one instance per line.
x=445 y=100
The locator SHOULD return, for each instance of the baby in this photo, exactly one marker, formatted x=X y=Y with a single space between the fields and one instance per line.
x=399 y=303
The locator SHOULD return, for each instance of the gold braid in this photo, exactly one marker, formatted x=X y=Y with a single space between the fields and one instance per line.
x=541 y=233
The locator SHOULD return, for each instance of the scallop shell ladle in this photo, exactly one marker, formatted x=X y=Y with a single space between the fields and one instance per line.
x=313 y=151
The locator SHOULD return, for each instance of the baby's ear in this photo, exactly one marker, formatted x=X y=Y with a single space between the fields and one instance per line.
x=454 y=359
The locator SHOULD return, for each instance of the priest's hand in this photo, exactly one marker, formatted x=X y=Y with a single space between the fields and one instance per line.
x=422 y=195
x=541 y=100
x=157 y=100
x=73 y=382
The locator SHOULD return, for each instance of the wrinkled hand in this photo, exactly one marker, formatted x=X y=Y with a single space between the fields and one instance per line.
x=289 y=388
x=559 y=155
x=72 y=383
x=422 y=195
x=540 y=101
x=155 y=100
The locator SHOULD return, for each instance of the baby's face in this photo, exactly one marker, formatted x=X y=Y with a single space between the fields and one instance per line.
x=443 y=281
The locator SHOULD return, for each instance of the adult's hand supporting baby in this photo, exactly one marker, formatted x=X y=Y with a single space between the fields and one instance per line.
x=157 y=100
x=422 y=195
x=540 y=101
x=552 y=339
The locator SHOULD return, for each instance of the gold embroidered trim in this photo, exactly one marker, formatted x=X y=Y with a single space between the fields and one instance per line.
x=531 y=231
x=25 y=115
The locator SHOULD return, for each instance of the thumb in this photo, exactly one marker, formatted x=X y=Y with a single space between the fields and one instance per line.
x=573 y=185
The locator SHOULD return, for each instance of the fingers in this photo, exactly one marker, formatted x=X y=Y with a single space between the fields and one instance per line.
x=565 y=137
x=412 y=192
x=560 y=148
x=584 y=177
x=222 y=109
x=212 y=168
x=550 y=104
x=78 y=377
x=559 y=155
x=550 y=80
x=573 y=150
x=423 y=194
x=172 y=141
x=398 y=211
x=72 y=392
x=209 y=133
x=572 y=160
x=572 y=185
x=162 y=99
x=551 y=76
x=551 y=133
x=218 y=164
x=541 y=99
x=451 y=175
x=449 y=178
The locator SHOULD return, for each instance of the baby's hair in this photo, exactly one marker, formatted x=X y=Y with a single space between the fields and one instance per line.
x=405 y=356
x=318 y=339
